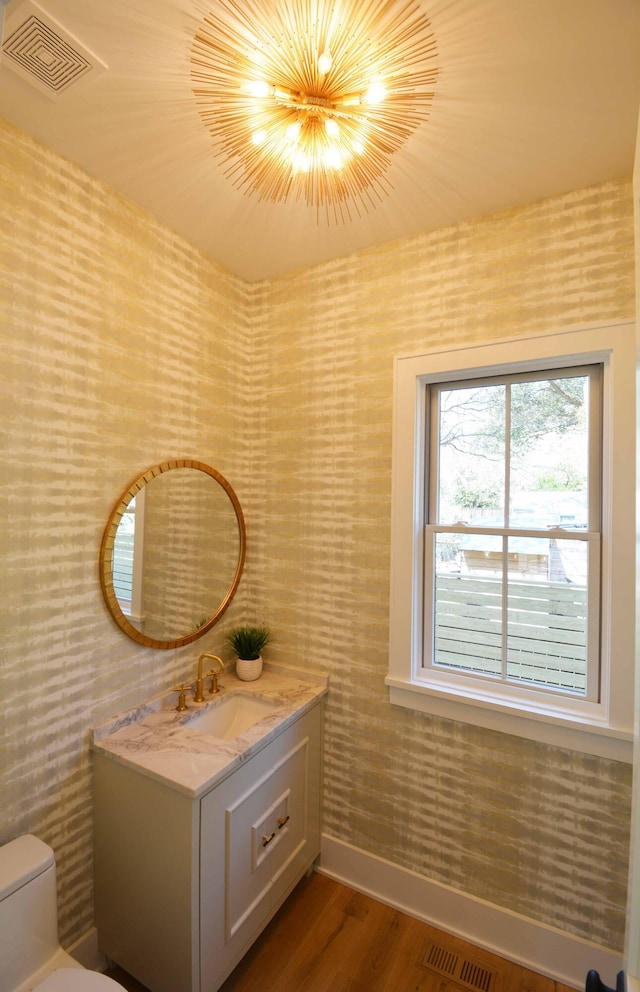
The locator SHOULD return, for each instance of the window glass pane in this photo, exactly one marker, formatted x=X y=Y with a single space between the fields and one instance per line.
x=481 y=554
x=549 y=456
x=547 y=613
x=471 y=454
x=467 y=608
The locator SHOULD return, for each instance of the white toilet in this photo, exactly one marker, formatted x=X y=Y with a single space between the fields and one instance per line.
x=30 y=956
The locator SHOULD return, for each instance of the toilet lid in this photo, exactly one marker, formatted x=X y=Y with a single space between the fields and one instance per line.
x=77 y=980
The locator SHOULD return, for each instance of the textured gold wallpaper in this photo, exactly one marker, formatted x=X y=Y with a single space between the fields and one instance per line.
x=538 y=830
x=123 y=346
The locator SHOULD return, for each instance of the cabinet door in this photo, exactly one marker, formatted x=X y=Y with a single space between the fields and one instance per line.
x=265 y=832
x=256 y=842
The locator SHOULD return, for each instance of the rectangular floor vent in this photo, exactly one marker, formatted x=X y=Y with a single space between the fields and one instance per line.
x=467 y=974
x=43 y=52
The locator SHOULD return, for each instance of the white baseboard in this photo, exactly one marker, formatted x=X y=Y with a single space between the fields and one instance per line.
x=85 y=951
x=541 y=948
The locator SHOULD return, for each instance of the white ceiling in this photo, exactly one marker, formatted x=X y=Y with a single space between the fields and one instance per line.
x=534 y=98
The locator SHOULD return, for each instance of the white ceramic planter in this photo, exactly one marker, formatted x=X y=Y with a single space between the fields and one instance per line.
x=249 y=671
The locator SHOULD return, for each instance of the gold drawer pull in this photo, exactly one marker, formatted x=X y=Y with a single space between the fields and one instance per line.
x=282 y=820
x=267 y=840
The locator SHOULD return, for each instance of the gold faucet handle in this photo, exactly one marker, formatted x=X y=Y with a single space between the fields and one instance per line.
x=182 y=690
x=213 y=675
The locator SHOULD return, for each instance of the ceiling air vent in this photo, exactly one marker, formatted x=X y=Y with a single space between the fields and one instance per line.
x=43 y=52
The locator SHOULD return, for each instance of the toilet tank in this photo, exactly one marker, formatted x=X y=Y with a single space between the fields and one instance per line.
x=28 y=910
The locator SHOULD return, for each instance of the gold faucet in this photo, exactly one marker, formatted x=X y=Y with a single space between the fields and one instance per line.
x=199 y=693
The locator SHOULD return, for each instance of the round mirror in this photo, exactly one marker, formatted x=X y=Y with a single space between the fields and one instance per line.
x=172 y=554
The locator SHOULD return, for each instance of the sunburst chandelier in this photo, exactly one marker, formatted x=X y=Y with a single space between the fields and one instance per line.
x=311 y=98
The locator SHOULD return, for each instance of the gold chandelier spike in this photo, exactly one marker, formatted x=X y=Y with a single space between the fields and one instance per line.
x=309 y=99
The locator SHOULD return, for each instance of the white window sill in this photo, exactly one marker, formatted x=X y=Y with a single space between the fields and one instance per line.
x=558 y=731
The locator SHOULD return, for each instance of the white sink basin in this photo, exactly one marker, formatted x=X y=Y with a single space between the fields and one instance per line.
x=231 y=716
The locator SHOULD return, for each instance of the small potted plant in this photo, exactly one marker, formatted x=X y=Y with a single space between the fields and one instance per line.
x=248 y=642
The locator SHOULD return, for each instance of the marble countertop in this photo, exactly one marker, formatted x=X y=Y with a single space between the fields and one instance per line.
x=157 y=741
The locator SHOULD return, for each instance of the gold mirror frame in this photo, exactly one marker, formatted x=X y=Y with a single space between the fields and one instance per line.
x=108 y=542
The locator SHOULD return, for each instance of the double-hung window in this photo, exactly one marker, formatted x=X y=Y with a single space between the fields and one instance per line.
x=512 y=531
x=512 y=544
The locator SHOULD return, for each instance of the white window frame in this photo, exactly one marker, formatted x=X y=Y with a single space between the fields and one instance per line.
x=603 y=727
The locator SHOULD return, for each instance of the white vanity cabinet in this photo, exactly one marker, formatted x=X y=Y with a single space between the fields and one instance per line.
x=184 y=885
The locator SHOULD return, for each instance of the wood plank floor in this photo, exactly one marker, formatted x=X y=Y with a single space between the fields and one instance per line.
x=328 y=938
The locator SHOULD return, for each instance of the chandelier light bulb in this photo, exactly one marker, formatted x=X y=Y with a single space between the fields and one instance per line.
x=376 y=93
x=258 y=88
x=333 y=158
x=301 y=161
x=332 y=127
x=293 y=132
x=325 y=62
